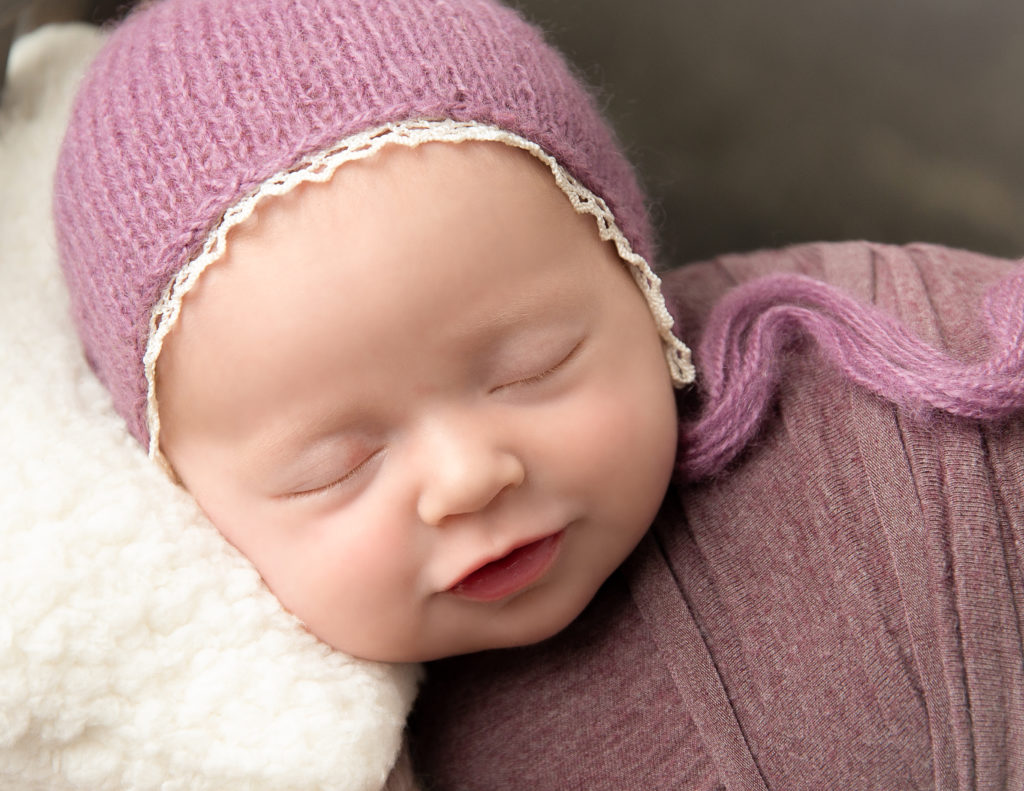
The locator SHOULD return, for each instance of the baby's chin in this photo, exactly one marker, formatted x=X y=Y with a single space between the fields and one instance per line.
x=533 y=624
x=469 y=645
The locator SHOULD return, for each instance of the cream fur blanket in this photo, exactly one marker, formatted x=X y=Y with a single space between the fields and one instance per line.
x=137 y=649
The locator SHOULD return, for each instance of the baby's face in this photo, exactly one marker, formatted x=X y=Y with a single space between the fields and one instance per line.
x=425 y=400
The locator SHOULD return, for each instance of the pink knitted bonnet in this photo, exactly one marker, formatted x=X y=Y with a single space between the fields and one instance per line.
x=195 y=110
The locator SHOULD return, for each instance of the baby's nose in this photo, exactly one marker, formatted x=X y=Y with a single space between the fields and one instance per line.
x=466 y=468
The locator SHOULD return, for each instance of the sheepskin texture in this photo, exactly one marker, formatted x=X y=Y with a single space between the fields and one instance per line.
x=138 y=650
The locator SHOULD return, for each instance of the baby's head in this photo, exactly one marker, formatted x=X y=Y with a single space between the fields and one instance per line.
x=344 y=268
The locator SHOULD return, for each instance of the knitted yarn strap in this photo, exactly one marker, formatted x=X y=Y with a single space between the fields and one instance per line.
x=739 y=354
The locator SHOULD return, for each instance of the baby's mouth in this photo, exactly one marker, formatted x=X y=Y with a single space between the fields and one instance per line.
x=511 y=573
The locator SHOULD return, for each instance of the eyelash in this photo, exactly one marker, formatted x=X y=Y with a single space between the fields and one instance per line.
x=336 y=482
x=530 y=380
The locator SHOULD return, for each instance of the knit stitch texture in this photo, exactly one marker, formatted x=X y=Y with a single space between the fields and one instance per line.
x=194 y=103
x=748 y=331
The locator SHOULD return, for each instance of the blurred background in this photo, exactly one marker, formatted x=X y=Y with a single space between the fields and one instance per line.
x=764 y=122
x=759 y=123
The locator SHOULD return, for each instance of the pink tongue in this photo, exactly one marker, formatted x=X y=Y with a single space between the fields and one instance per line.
x=505 y=575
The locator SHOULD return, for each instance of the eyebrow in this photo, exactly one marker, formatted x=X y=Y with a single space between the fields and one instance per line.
x=522 y=316
x=282 y=459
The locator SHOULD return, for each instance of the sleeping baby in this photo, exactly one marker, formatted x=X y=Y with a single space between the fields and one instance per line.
x=372 y=280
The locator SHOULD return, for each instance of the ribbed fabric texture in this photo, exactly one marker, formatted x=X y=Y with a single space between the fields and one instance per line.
x=194 y=103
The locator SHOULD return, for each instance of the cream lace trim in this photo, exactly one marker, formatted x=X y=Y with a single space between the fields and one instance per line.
x=321 y=166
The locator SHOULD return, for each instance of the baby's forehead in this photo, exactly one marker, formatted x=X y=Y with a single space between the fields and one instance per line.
x=387 y=216
x=405 y=178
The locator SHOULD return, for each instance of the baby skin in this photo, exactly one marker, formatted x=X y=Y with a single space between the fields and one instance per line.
x=425 y=400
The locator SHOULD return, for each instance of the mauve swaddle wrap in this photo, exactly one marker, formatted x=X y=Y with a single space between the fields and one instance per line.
x=841 y=609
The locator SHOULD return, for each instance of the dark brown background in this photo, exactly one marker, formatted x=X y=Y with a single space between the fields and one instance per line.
x=763 y=122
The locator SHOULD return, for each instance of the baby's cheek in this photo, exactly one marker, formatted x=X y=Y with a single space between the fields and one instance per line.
x=331 y=574
x=367 y=552
x=367 y=594
x=623 y=444
x=606 y=430
x=376 y=551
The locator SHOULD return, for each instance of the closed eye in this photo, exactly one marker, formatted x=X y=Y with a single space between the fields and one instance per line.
x=536 y=378
x=339 y=482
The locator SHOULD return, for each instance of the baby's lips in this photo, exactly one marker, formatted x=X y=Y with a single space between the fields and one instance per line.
x=511 y=573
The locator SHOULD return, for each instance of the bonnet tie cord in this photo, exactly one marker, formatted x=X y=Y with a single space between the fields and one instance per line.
x=739 y=361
